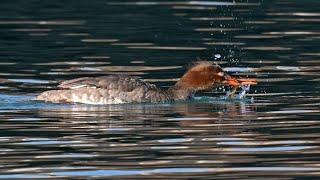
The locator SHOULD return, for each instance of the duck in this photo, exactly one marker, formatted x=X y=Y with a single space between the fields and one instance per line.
x=120 y=89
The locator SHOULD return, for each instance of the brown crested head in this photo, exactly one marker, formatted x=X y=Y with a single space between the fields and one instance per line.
x=204 y=75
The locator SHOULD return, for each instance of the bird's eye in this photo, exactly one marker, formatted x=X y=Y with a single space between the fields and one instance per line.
x=221 y=74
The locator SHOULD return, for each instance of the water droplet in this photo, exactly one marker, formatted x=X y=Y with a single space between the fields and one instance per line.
x=217 y=56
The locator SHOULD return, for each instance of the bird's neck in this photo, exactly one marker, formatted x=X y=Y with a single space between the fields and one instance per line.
x=180 y=93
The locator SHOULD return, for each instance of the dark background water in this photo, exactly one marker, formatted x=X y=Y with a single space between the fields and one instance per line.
x=274 y=136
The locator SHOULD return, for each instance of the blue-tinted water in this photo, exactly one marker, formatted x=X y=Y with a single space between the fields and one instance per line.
x=273 y=133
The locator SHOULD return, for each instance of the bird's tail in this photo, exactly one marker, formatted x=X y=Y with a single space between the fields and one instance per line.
x=55 y=96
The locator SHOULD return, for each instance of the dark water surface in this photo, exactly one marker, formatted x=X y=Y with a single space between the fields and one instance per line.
x=277 y=135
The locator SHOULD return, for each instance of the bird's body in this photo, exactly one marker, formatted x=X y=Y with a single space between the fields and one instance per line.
x=106 y=90
x=127 y=89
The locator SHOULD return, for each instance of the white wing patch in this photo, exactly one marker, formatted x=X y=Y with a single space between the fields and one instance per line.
x=81 y=86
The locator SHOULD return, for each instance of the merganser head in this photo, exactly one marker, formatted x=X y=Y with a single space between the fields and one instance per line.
x=205 y=75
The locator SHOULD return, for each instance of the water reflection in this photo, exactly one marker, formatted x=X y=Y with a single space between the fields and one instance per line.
x=274 y=135
x=200 y=137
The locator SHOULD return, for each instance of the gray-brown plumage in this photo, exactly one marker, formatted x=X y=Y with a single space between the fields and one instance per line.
x=126 y=89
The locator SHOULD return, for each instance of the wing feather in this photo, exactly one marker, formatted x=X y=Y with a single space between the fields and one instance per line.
x=123 y=83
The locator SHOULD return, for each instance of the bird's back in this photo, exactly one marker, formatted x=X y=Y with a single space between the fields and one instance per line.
x=106 y=90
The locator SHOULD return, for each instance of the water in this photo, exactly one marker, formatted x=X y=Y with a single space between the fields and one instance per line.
x=275 y=135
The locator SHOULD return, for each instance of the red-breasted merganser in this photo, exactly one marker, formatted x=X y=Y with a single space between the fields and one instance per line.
x=113 y=89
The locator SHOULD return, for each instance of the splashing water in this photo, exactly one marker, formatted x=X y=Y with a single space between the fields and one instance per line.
x=242 y=94
x=244 y=90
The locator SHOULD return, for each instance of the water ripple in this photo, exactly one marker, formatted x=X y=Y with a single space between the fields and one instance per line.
x=272 y=133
